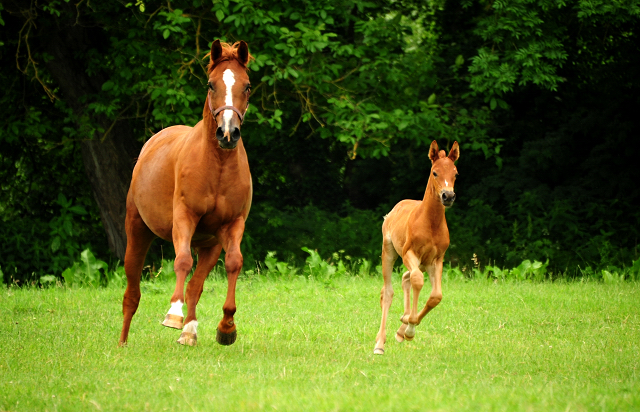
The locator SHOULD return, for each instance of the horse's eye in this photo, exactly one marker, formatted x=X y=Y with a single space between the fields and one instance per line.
x=435 y=174
x=210 y=87
x=247 y=89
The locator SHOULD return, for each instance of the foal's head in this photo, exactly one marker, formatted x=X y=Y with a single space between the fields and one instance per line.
x=444 y=172
x=229 y=90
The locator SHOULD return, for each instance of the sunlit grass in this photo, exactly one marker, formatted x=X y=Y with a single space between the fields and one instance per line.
x=308 y=345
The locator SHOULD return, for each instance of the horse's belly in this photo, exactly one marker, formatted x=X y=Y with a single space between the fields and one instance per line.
x=395 y=224
x=203 y=240
x=156 y=210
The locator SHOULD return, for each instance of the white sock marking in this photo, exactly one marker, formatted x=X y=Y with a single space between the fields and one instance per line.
x=176 y=308
x=229 y=81
x=191 y=327
x=411 y=330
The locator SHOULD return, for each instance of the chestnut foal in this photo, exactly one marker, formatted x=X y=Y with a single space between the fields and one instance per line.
x=192 y=185
x=417 y=231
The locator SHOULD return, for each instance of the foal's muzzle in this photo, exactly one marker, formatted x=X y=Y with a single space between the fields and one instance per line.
x=447 y=197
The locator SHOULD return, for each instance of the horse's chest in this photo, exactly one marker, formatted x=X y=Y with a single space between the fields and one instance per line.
x=431 y=246
x=222 y=209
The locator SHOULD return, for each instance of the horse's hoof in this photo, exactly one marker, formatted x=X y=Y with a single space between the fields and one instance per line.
x=173 y=321
x=378 y=351
x=410 y=332
x=187 y=338
x=226 y=338
x=399 y=337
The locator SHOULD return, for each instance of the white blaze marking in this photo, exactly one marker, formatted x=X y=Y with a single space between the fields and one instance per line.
x=229 y=81
x=446 y=183
x=176 y=308
x=191 y=327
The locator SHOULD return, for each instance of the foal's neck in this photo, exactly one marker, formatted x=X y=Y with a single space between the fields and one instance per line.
x=433 y=209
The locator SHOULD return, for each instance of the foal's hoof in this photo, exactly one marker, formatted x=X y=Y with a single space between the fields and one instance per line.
x=399 y=337
x=226 y=338
x=173 y=321
x=187 y=338
x=378 y=351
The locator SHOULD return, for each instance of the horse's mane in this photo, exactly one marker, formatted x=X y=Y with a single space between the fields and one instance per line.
x=229 y=52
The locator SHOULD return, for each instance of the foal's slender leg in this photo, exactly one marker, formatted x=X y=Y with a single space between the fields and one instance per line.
x=207 y=258
x=230 y=236
x=389 y=256
x=406 y=296
x=139 y=238
x=416 y=280
x=435 y=276
x=184 y=224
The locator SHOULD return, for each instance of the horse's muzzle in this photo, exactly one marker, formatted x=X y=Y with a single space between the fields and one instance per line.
x=447 y=197
x=226 y=139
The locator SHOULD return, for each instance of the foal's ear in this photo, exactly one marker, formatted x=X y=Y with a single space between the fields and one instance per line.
x=243 y=52
x=454 y=153
x=433 y=152
x=216 y=51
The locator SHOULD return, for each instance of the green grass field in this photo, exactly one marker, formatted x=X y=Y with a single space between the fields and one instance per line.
x=308 y=345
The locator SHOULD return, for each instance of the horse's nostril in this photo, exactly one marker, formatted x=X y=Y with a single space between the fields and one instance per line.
x=219 y=133
x=236 y=134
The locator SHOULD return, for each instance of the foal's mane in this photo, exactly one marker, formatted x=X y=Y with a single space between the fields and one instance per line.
x=229 y=52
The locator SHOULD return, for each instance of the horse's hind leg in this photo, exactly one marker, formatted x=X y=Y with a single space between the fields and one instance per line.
x=389 y=256
x=207 y=258
x=139 y=238
x=406 y=290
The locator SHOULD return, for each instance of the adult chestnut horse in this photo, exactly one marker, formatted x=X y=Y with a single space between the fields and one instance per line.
x=192 y=185
x=417 y=231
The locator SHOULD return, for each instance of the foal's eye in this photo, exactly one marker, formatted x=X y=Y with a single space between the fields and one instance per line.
x=247 y=89
x=435 y=174
x=210 y=87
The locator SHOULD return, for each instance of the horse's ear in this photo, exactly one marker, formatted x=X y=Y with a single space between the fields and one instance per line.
x=216 y=51
x=243 y=52
x=433 y=152
x=454 y=153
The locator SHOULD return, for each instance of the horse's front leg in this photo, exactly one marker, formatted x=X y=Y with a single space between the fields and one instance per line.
x=415 y=281
x=435 y=276
x=230 y=237
x=184 y=225
x=207 y=258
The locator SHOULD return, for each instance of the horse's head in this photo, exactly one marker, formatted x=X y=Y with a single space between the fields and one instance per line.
x=444 y=172
x=229 y=90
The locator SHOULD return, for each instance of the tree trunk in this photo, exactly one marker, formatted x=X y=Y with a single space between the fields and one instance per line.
x=108 y=160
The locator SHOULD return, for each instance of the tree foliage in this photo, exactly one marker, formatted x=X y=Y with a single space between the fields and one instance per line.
x=346 y=98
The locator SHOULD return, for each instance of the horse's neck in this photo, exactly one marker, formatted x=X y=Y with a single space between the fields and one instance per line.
x=209 y=123
x=432 y=209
